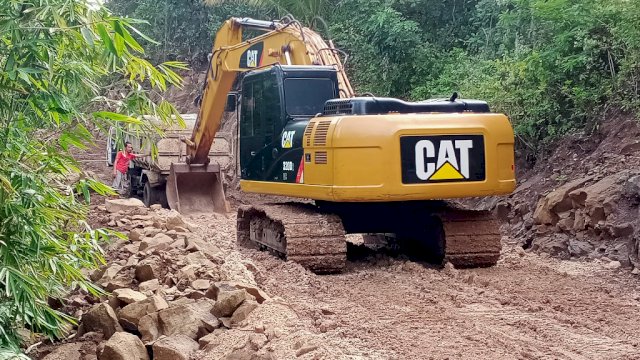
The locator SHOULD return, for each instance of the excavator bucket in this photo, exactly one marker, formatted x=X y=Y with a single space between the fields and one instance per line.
x=196 y=189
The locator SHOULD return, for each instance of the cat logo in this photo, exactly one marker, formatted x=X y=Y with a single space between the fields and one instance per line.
x=252 y=58
x=447 y=166
x=442 y=158
x=287 y=139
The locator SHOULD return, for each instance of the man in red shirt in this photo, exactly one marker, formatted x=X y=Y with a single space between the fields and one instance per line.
x=120 y=166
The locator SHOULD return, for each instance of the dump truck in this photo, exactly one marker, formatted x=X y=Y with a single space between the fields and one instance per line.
x=369 y=164
x=149 y=175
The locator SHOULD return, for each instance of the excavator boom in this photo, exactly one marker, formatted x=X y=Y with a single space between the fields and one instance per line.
x=196 y=185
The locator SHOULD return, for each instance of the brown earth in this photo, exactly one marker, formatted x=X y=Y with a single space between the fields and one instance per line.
x=581 y=198
x=383 y=307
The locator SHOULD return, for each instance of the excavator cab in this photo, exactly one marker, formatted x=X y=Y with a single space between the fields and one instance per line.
x=276 y=105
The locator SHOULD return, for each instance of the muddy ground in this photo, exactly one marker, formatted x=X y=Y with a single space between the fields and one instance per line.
x=526 y=307
x=387 y=307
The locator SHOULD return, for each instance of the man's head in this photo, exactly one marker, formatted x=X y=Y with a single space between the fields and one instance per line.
x=128 y=147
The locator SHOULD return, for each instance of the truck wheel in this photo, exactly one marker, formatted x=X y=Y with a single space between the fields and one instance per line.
x=162 y=197
x=149 y=196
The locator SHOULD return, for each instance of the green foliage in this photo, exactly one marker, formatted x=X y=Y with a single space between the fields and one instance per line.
x=56 y=57
x=184 y=29
x=551 y=65
x=309 y=12
x=383 y=47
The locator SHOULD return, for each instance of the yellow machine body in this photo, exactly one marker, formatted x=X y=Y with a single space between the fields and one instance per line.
x=357 y=158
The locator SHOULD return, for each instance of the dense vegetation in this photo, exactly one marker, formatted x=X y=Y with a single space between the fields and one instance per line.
x=57 y=58
x=552 y=65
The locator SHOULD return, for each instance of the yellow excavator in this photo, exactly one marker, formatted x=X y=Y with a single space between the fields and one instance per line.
x=370 y=164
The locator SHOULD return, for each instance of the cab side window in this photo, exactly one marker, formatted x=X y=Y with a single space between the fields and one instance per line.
x=248 y=109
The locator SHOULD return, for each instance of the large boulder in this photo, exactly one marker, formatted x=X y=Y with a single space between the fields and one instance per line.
x=129 y=296
x=146 y=270
x=124 y=205
x=124 y=346
x=100 y=318
x=228 y=301
x=149 y=328
x=198 y=258
x=175 y=347
x=243 y=311
x=191 y=319
x=65 y=352
x=149 y=286
x=159 y=242
x=113 y=276
x=131 y=314
x=221 y=286
x=136 y=235
x=175 y=221
x=556 y=202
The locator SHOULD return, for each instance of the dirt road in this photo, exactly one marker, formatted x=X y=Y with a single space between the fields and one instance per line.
x=526 y=307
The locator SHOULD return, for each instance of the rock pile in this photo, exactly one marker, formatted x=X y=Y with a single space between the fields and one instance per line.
x=171 y=292
x=594 y=216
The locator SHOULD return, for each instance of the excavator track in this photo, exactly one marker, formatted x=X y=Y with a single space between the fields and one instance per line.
x=297 y=232
x=472 y=237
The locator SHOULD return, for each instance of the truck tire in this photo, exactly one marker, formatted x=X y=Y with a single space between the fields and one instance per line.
x=154 y=195
x=149 y=194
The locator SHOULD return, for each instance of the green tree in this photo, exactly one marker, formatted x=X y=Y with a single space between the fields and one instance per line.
x=309 y=12
x=184 y=29
x=57 y=57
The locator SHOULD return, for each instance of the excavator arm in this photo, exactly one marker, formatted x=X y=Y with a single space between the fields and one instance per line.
x=196 y=185
x=287 y=44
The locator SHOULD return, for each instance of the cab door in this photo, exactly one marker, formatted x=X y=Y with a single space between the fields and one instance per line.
x=260 y=125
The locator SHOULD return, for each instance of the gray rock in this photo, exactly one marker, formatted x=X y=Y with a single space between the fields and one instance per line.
x=124 y=205
x=159 y=242
x=227 y=302
x=191 y=319
x=131 y=314
x=128 y=296
x=135 y=235
x=243 y=311
x=146 y=270
x=149 y=285
x=622 y=230
x=175 y=220
x=65 y=352
x=201 y=284
x=613 y=265
x=149 y=328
